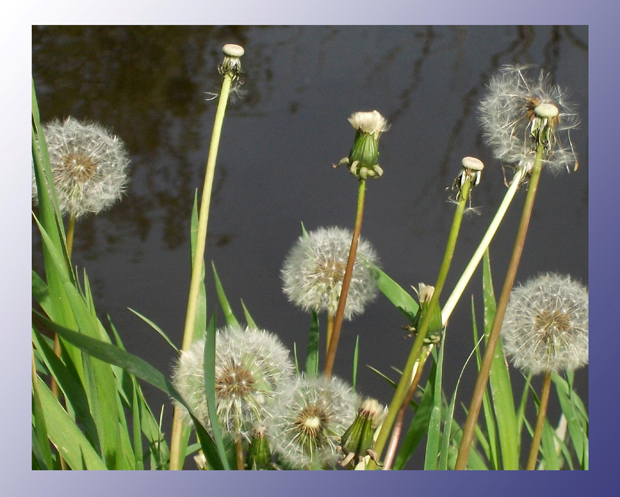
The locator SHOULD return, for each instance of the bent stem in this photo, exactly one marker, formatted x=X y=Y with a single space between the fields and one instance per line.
x=197 y=266
x=447 y=309
x=489 y=352
x=540 y=422
x=405 y=379
x=333 y=340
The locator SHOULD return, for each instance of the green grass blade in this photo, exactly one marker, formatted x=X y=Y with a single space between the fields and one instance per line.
x=70 y=442
x=248 y=318
x=487 y=409
x=356 y=355
x=40 y=445
x=201 y=309
x=134 y=365
x=433 y=439
x=577 y=429
x=499 y=380
x=420 y=424
x=295 y=358
x=156 y=328
x=402 y=300
x=209 y=376
x=72 y=389
x=229 y=316
x=312 y=354
x=137 y=431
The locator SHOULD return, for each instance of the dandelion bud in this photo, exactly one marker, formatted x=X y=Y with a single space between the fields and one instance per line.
x=357 y=442
x=435 y=326
x=259 y=453
x=89 y=166
x=250 y=364
x=364 y=155
x=314 y=270
x=545 y=328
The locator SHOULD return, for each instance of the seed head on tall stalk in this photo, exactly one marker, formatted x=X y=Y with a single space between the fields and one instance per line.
x=363 y=163
x=527 y=123
x=231 y=72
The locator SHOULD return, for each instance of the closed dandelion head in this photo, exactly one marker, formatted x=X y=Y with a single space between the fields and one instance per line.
x=308 y=419
x=250 y=364
x=518 y=114
x=545 y=328
x=314 y=270
x=363 y=159
x=89 y=166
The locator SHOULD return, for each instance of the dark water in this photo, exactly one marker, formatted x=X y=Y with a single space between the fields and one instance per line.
x=274 y=169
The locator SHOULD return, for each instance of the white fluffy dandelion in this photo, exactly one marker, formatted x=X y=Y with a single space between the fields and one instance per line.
x=314 y=269
x=89 y=166
x=545 y=328
x=517 y=112
x=250 y=364
x=308 y=419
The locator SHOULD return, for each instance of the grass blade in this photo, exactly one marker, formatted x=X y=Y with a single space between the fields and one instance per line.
x=156 y=328
x=209 y=376
x=402 y=300
x=229 y=316
x=499 y=380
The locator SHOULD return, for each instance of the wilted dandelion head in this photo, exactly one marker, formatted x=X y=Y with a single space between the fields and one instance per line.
x=308 y=419
x=89 y=166
x=314 y=270
x=518 y=113
x=545 y=328
x=250 y=364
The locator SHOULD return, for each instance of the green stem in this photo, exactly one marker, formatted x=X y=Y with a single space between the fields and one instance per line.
x=447 y=309
x=405 y=380
x=489 y=352
x=540 y=422
x=390 y=452
x=197 y=266
x=70 y=231
x=333 y=341
x=330 y=328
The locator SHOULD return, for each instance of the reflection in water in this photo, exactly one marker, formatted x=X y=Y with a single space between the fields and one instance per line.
x=150 y=83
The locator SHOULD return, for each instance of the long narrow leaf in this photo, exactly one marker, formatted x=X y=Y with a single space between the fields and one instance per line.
x=433 y=439
x=402 y=300
x=133 y=365
x=209 y=376
x=229 y=316
x=70 y=442
x=499 y=379
x=156 y=328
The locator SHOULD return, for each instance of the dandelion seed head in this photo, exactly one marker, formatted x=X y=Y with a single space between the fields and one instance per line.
x=308 y=419
x=89 y=166
x=314 y=269
x=250 y=364
x=517 y=111
x=372 y=123
x=545 y=328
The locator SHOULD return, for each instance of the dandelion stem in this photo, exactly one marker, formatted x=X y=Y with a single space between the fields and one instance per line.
x=330 y=328
x=447 y=309
x=390 y=452
x=405 y=379
x=70 y=231
x=489 y=352
x=540 y=422
x=333 y=341
x=197 y=266
x=238 y=442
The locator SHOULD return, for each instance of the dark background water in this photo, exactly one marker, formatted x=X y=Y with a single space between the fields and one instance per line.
x=274 y=170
